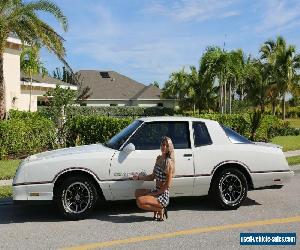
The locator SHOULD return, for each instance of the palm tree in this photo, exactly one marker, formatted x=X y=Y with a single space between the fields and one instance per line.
x=258 y=83
x=177 y=87
x=31 y=65
x=284 y=63
x=21 y=19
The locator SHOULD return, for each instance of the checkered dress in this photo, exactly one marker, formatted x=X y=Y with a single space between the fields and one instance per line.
x=160 y=175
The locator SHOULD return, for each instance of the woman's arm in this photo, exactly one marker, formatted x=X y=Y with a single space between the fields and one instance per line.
x=149 y=177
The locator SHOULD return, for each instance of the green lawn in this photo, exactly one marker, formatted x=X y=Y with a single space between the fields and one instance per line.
x=5 y=191
x=293 y=160
x=294 y=122
x=288 y=142
x=8 y=169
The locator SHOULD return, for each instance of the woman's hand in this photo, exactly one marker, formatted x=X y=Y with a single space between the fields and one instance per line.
x=135 y=177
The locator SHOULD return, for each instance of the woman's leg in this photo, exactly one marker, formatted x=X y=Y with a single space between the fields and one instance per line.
x=141 y=192
x=149 y=203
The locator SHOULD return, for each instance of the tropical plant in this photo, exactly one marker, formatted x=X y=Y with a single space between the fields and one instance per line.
x=31 y=65
x=21 y=19
x=59 y=99
x=285 y=64
x=176 y=87
x=68 y=76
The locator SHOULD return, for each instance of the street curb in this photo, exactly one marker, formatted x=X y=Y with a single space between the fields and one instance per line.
x=6 y=182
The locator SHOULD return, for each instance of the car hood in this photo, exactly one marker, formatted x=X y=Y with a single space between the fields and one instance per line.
x=69 y=151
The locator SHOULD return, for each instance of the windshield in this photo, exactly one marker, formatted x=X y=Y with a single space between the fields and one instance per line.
x=117 y=141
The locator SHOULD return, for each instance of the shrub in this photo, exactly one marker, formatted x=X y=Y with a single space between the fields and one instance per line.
x=126 y=111
x=269 y=127
x=22 y=137
x=82 y=130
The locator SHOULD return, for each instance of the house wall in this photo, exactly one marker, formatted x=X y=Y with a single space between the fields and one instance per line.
x=11 y=69
x=25 y=98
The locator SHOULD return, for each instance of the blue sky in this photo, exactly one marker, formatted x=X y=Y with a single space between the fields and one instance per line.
x=148 y=39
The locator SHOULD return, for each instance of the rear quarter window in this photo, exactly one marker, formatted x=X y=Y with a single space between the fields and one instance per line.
x=201 y=134
x=235 y=137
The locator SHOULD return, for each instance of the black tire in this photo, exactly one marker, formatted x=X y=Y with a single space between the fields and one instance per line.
x=234 y=186
x=76 y=197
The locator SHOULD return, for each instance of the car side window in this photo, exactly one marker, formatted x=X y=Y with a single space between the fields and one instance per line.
x=201 y=135
x=149 y=136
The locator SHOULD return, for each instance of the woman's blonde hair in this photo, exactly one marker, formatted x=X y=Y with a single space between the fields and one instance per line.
x=170 y=153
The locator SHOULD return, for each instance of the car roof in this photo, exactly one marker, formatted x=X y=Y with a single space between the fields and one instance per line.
x=173 y=118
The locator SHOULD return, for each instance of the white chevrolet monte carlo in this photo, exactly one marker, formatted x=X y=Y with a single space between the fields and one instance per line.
x=210 y=159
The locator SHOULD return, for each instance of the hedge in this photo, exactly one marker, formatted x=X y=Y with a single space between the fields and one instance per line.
x=119 y=111
x=270 y=126
x=22 y=137
x=91 y=129
x=28 y=133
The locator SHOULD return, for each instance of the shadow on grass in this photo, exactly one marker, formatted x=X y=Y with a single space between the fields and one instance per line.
x=115 y=212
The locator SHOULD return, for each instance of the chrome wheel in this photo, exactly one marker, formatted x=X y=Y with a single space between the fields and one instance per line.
x=231 y=188
x=76 y=198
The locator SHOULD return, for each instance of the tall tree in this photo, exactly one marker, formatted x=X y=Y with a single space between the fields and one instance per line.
x=31 y=65
x=285 y=64
x=21 y=18
x=176 y=87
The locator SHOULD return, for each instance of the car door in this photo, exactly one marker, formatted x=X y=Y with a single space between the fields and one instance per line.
x=142 y=160
x=204 y=154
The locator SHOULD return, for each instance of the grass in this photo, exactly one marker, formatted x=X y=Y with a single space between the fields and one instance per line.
x=288 y=142
x=293 y=160
x=8 y=169
x=294 y=122
x=5 y=191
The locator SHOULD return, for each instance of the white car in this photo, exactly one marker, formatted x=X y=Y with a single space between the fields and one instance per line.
x=210 y=159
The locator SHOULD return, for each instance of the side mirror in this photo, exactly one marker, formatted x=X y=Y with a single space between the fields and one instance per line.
x=129 y=148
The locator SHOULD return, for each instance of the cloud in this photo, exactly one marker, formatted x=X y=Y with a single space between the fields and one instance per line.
x=148 y=60
x=187 y=10
x=278 y=15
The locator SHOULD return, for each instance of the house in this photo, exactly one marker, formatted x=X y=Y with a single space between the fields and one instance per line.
x=109 y=88
x=17 y=85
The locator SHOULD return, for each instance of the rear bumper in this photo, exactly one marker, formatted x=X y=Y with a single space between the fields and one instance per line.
x=270 y=179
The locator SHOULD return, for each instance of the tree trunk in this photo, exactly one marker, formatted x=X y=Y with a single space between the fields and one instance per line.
x=273 y=108
x=225 y=97
x=221 y=98
x=230 y=98
x=2 y=89
x=283 y=107
x=30 y=91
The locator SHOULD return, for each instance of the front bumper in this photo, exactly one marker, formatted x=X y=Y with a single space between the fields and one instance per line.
x=38 y=192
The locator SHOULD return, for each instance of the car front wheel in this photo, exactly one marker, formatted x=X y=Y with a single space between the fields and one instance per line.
x=76 y=197
x=229 y=188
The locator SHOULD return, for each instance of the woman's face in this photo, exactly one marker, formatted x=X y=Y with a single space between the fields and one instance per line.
x=164 y=147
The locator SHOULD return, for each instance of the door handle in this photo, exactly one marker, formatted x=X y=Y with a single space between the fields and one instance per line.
x=187 y=155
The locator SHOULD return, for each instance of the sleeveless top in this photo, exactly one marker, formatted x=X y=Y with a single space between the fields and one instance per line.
x=159 y=172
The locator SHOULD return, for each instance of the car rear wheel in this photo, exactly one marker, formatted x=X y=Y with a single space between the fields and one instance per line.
x=229 y=188
x=76 y=197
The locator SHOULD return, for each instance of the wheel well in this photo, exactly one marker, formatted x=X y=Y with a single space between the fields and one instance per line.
x=236 y=166
x=75 y=173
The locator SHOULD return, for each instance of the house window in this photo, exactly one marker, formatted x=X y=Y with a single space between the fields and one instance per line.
x=104 y=74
